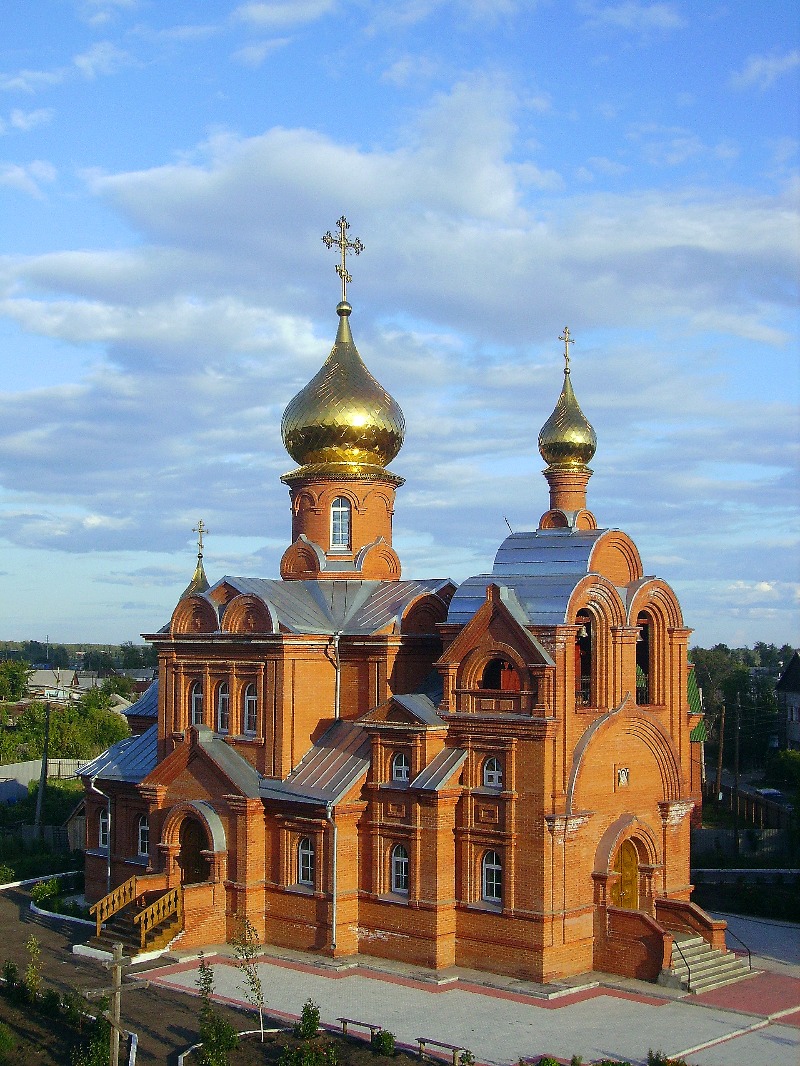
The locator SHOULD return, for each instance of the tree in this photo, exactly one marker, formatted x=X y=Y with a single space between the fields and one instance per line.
x=59 y=657
x=218 y=1035
x=14 y=674
x=247 y=948
x=752 y=708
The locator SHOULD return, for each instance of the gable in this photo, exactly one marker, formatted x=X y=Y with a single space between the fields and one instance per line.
x=500 y=622
x=202 y=767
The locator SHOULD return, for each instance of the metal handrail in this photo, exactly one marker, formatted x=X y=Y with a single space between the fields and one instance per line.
x=746 y=948
x=675 y=944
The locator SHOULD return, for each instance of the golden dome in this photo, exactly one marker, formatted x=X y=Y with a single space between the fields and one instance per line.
x=567 y=437
x=343 y=423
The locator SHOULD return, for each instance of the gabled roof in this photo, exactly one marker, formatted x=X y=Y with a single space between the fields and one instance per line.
x=328 y=771
x=131 y=760
x=202 y=740
x=147 y=704
x=440 y=770
x=789 y=681
x=413 y=707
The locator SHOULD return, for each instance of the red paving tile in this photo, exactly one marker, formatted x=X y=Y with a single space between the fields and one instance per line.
x=791 y=1019
x=764 y=994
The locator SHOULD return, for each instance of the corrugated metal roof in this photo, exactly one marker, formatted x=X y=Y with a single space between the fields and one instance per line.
x=147 y=704
x=342 y=606
x=421 y=706
x=236 y=768
x=439 y=771
x=130 y=760
x=693 y=692
x=546 y=551
x=334 y=764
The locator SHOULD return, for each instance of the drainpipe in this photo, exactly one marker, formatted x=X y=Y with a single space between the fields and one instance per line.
x=337 y=692
x=107 y=798
x=332 y=824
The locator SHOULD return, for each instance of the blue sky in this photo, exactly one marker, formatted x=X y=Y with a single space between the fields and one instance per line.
x=167 y=171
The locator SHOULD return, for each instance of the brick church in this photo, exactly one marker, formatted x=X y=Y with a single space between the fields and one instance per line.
x=495 y=775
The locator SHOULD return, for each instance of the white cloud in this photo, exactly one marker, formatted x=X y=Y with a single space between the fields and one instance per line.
x=27 y=177
x=283 y=13
x=763 y=71
x=634 y=17
x=253 y=55
x=103 y=58
x=28 y=120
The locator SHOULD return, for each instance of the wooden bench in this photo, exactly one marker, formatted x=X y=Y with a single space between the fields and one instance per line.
x=373 y=1029
x=424 y=1041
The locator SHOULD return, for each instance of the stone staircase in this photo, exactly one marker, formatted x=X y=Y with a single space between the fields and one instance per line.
x=707 y=967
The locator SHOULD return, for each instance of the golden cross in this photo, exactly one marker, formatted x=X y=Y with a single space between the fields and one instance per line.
x=565 y=337
x=344 y=246
x=200 y=529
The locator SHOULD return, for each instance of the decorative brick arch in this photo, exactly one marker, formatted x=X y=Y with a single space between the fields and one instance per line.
x=194 y=614
x=204 y=813
x=626 y=827
x=248 y=614
x=470 y=670
x=423 y=614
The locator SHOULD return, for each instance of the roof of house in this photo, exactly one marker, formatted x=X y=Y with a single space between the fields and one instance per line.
x=130 y=759
x=440 y=769
x=328 y=771
x=147 y=704
x=789 y=681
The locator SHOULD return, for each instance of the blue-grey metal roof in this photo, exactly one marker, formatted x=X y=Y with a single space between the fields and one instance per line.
x=236 y=768
x=328 y=771
x=440 y=770
x=539 y=570
x=343 y=606
x=421 y=706
x=147 y=704
x=130 y=760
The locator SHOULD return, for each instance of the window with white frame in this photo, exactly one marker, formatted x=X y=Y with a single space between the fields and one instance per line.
x=102 y=831
x=223 y=707
x=401 y=767
x=250 y=709
x=143 y=835
x=399 y=869
x=340 y=524
x=492 y=773
x=305 y=861
x=491 y=878
x=196 y=702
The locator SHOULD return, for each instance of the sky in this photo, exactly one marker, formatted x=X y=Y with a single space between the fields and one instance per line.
x=623 y=167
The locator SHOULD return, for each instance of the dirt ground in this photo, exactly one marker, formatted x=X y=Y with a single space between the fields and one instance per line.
x=39 y=1040
x=349 y=1052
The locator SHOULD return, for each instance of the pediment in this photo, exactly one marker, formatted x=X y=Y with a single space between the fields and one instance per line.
x=412 y=710
x=204 y=766
x=501 y=621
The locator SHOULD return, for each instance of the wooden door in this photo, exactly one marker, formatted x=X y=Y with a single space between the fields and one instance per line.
x=625 y=890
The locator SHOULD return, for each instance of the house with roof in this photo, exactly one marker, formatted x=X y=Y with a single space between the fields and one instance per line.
x=787 y=690
x=497 y=775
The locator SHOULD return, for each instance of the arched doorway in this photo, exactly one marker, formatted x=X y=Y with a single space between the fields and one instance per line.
x=625 y=889
x=195 y=866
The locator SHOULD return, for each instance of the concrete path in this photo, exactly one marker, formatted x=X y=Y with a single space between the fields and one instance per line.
x=501 y=1024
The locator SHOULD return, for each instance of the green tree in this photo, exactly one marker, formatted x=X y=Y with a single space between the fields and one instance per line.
x=14 y=674
x=750 y=707
x=59 y=657
x=247 y=948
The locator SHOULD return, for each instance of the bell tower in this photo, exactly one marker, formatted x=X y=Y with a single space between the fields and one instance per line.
x=343 y=429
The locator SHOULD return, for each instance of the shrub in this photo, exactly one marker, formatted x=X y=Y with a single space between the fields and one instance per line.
x=73 y=1004
x=307 y=1054
x=576 y=1060
x=308 y=1026
x=219 y=1039
x=50 y=1002
x=10 y=975
x=658 y=1058
x=6 y=874
x=44 y=890
x=33 y=976
x=382 y=1043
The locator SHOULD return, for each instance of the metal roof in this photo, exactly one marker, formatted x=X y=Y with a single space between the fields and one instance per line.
x=439 y=771
x=129 y=760
x=421 y=706
x=147 y=704
x=343 y=606
x=236 y=768
x=334 y=764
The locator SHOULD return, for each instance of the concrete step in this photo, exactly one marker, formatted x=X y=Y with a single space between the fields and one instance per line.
x=709 y=967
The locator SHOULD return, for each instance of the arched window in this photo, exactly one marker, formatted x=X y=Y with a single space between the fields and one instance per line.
x=491 y=878
x=196 y=702
x=399 y=869
x=340 y=524
x=501 y=676
x=643 y=647
x=305 y=861
x=401 y=767
x=102 y=831
x=584 y=693
x=223 y=707
x=492 y=773
x=143 y=836
x=250 y=709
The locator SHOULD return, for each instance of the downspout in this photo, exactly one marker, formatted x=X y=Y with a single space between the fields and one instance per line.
x=107 y=798
x=337 y=692
x=332 y=824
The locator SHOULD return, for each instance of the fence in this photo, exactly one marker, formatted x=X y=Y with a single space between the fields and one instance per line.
x=25 y=772
x=54 y=836
x=709 y=845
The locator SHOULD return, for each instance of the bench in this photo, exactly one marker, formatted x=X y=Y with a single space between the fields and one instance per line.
x=373 y=1029
x=424 y=1041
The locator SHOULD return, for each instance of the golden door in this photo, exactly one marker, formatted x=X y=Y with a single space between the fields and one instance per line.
x=625 y=890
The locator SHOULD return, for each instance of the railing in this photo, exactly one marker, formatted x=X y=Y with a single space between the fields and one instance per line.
x=675 y=944
x=157 y=913
x=118 y=898
x=746 y=948
x=583 y=692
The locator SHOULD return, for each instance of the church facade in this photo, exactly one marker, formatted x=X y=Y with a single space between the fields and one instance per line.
x=495 y=775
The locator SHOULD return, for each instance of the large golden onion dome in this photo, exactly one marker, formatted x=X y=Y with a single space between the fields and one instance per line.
x=567 y=437
x=343 y=423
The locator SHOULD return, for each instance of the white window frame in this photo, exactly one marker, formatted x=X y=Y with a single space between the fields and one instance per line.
x=306 y=861
x=493 y=773
x=341 y=524
x=143 y=836
x=491 y=878
x=401 y=767
x=400 y=870
x=103 y=827
x=196 y=703
x=250 y=700
x=223 y=707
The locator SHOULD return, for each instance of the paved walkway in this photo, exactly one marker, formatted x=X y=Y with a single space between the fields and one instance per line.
x=755 y=1022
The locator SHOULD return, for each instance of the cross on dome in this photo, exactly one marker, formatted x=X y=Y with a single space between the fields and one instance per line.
x=344 y=246
x=200 y=529
x=565 y=337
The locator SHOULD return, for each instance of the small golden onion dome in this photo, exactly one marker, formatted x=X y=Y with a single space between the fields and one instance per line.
x=567 y=438
x=343 y=421
x=199 y=582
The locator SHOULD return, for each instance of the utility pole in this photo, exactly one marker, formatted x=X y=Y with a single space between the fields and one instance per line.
x=736 y=775
x=37 y=820
x=719 y=753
